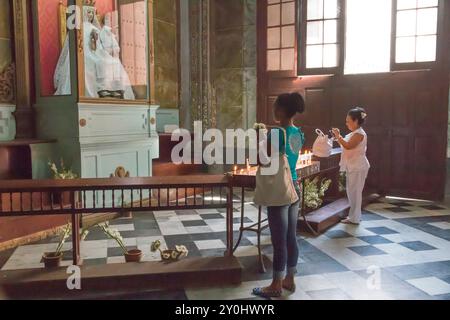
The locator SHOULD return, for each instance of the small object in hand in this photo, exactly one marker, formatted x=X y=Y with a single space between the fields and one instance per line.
x=336 y=132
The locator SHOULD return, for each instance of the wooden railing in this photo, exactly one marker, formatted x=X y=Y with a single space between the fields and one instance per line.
x=76 y=197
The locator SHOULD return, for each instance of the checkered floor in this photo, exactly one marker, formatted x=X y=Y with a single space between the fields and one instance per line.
x=400 y=251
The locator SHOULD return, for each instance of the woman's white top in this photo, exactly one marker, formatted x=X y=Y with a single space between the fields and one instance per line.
x=355 y=159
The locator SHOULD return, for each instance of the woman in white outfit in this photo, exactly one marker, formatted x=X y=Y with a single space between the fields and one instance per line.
x=354 y=161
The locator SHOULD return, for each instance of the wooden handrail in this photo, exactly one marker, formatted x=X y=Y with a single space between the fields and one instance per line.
x=37 y=197
x=107 y=183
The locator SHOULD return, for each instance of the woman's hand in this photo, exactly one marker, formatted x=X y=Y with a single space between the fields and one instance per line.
x=336 y=133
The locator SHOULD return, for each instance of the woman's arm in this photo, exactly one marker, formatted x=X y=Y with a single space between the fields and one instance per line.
x=354 y=141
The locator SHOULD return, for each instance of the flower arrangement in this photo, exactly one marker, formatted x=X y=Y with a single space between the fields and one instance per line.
x=65 y=234
x=62 y=173
x=53 y=259
x=259 y=126
x=315 y=191
x=113 y=234
x=169 y=255
x=134 y=255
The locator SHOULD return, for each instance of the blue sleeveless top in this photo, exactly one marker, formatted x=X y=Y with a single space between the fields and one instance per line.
x=295 y=142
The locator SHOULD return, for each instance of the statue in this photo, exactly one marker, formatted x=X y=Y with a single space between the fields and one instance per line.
x=105 y=76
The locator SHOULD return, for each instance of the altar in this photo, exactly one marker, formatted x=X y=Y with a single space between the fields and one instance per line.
x=94 y=87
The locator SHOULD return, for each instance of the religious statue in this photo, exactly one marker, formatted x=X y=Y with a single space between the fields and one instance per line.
x=105 y=76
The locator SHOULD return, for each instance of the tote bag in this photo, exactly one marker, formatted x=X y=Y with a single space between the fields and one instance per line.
x=323 y=145
x=276 y=190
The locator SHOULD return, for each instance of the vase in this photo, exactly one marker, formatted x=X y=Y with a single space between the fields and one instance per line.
x=52 y=260
x=133 y=256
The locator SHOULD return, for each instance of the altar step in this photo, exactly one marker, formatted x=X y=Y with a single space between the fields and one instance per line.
x=102 y=280
x=331 y=214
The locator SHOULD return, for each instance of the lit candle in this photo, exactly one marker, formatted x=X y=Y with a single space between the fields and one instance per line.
x=242 y=171
x=235 y=169
x=248 y=166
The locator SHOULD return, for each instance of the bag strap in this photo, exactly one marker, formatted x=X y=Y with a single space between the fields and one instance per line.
x=285 y=137
x=320 y=133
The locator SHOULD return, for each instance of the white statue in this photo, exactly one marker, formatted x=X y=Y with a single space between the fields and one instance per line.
x=104 y=73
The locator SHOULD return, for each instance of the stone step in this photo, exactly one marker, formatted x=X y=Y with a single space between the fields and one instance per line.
x=328 y=216
x=130 y=277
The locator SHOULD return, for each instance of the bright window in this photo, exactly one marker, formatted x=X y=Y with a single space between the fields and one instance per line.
x=362 y=36
x=368 y=36
x=416 y=35
x=281 y=35
x=322 y=24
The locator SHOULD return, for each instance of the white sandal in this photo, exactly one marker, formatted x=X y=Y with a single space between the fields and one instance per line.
x=348 y=221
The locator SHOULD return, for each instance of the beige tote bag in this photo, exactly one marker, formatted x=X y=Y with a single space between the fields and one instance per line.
x=276 y=190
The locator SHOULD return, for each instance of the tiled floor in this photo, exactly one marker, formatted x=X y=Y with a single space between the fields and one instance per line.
x=400 y=251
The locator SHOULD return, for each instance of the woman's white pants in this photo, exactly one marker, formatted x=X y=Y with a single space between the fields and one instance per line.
x=355 y=186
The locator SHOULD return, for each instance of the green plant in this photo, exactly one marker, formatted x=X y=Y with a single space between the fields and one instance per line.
x=61 y=173
x=65 y=234
x=113 y=234
x=315 y=191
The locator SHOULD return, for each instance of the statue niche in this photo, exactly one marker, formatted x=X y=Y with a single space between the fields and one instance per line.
x=105 y=75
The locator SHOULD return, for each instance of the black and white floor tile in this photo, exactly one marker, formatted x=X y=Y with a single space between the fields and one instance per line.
x=400 y=251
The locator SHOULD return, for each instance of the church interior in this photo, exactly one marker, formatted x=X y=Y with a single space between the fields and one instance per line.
x=92 y=92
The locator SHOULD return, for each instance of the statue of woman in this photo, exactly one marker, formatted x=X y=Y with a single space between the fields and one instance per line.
x=104 y=73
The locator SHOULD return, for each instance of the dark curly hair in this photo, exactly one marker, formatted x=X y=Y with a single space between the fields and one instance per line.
x=291 y=103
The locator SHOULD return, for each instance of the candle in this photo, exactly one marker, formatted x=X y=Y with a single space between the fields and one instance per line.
x=235 y=169
x=248 y=166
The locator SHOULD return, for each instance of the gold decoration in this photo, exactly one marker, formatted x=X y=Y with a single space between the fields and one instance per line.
x=7 y=83
x=90 y=3
x=83 y=123
x=120 y=173
x=62 y=23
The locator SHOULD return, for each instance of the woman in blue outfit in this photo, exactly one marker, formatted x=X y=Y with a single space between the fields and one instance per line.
x=283 y=220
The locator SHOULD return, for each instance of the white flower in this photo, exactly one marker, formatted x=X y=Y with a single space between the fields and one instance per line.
x=259 y=126
x=182 y=250
x=175 y=255
x=84 y=234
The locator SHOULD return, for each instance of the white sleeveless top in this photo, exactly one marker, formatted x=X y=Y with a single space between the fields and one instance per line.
x=355 y=160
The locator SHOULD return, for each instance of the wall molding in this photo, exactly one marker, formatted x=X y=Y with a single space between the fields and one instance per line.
x=24 y=114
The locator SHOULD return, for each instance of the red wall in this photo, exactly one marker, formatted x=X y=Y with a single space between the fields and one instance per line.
x=49 y=48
